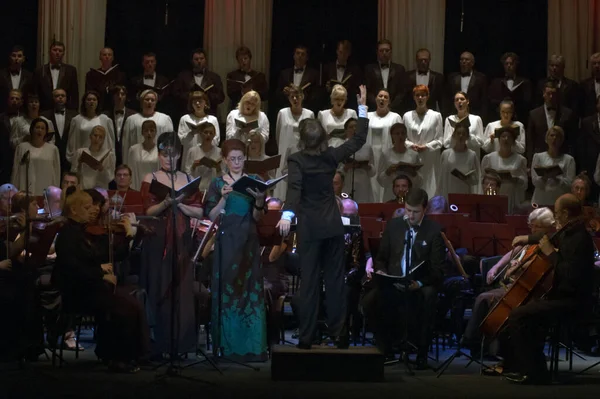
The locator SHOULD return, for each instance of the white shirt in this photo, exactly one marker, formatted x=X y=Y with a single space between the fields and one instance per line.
x=44 y=167
x=422 y=79
x=413 y=236
x=60 y=123
x=550 y=116
x=233 y=132
x=91 y=178
x=510 y=83
x=141 y=163
x=489 y=146
x=476 y=135
x=15 y=79
x=79 y=134
x=298 y=76
x=132 y=131
x=546 y=192
x=119 y=118
x=188 y=139
x=597 y=87
x=385 y=74
x=54 y=73
x=198 y=79
x=150 y=82
x=465 y=81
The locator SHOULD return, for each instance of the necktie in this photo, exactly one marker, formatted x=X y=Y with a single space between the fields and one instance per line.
x=119 y=112
x=148 y=76
x=298 y=70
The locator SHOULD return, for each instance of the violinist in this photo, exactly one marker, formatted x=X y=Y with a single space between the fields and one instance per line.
x=571 y=253
x=52 y=201
x=6 y=193
x=87 y=286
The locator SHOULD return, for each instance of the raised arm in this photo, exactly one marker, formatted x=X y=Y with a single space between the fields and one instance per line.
x=358 y=140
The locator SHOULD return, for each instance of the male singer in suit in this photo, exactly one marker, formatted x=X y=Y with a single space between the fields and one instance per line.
x=15 y=103
x=148 y=80
x=568 y=89
x=552 y=113
x=302 y=76
x=587 y=148
x=517 y=88
x=252 y=80
x=427 y=248
x=119 y=114
x=590 y=88
x=425 y=76
x=342 y=71
x=96 y=79
x=15 y=76
x=320 y=231
x=206 y=80
x=56 y=75
x=470 y=81
x=386 y=75
x=61 y=117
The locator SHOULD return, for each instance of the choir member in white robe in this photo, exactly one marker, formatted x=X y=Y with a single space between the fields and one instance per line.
x=205 y=148
x=424 y=129
x=44 y=161
x=81 y=126
x=21 y=125
x=505 y=160
x=199 y=106
x=507 y=111
x=248 y=111
x=465 y=161
x=143 y=157
x=359 y=169
x=475 y=125
x=380 y=122
x=287 y=133
x=100 y=177
x=388 y=168
x=132 y=131
x=256 y=152
x=334 y=119
x=549 y=187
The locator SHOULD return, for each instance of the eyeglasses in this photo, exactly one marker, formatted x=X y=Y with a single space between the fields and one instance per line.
x=236 y=159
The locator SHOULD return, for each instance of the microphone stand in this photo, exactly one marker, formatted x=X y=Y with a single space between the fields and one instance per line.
x=353 y=170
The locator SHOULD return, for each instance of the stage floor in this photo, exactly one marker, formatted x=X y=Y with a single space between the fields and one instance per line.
x=87 y=378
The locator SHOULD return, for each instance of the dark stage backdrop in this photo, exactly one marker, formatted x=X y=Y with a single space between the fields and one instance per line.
x=492 y=28
x=19 y=25
x=136 y=27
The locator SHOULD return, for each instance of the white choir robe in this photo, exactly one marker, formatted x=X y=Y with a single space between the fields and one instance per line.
x=79 y=134
x=287 y=136
x=363 y=192
x=546 y=192
x=331 y=122
x=196 y=153
x=390 y=157
x=465 y=162
x=517 y=165
x=44 y=168
x=20 y=127
x=91 y=178
x=476 y=136
x=380 y=140
x=233 y=132
x=189 y=139
x=141 y=163
x=426 y=131
x=132 y=131
x=489 y=147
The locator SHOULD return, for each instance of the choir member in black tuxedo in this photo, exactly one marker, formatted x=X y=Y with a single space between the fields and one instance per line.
x=386 y=75
x=572 y=256
x=252 y=80
x=552 y=113
x=473 y=83
x=88 y=285
x=567 y=89
x=320 y=232
x=428 y=247
x=104 y=78
x=56 y=75
x=590 y=88
x=15 y=76
x=149 y=79
x=61 y=118
x=14 y=105
x=587 y=147
x=208 y=81
x=425 y=76
x=119 y=114
x=517 y=88
x=341 y=72
x=301 y=75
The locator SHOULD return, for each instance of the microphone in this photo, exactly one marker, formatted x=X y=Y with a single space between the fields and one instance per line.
x=25 y=158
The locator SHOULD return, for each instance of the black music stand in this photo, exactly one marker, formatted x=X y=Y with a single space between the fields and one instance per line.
x=488 y=239
x=384 y=211
x=482 y=208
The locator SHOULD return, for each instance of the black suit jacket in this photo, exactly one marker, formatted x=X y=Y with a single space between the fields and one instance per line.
x=477 y=92
x=397 y=85
x=310 y=192
x=257 y=83
x=104 y=83
x=588 y=97
x=311 y=93
x=568 y=90
x=25 y=85
x=61 y=142
x=428 y=247
x=521 y=96
x=355 y=79
x=137 y=86
x=587 y=149
x=118 y=140
x=185 y=82
x=6 y=150
x=67 y=79
x=436 y=91
x=537 y=128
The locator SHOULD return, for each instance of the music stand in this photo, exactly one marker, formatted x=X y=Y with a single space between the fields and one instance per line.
x=519 y=223
x=482 y=208
x=452 y=224
x=488 y=239
x=132 y=201
x=384 y=211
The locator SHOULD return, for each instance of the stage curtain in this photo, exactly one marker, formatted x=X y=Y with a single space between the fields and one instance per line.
x=411 y=25
x=574 y=32
x=229 y=24
x=80 y=24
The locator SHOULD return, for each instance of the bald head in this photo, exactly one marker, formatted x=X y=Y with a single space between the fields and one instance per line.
x=54 y=195
x=566 y=208
x=349 y=207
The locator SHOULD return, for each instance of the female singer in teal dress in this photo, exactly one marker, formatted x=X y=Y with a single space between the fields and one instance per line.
x=242 y=333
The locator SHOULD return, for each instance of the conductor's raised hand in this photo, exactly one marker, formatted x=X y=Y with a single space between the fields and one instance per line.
x=362 y=97
x=284 y=227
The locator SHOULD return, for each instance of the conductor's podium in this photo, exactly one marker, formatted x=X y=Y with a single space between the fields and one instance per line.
x=326 y=363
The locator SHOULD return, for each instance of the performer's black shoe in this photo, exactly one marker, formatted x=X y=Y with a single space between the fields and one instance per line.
x=524 y=379
x=342 y=342
x=302 y=345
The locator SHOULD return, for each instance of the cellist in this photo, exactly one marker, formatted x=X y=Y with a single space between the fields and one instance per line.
x=571 y=253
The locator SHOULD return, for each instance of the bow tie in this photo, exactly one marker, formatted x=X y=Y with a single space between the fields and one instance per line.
x=15 y=73
x=55 y=66
x=199 y=73
x=422 y=73
x=550 y=109
x=298 y=70
x=148 y=76
x=119 y=112
x=414 y=228
x=59 y=111
x=466 y=74
x=340 y=66
x=383 y=66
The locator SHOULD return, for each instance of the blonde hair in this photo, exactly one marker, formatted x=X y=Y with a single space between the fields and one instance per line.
x=339 y=91
x=98 y=127
x=75 y=199
x=558 y=130
x=251 y=95
x=145 y=93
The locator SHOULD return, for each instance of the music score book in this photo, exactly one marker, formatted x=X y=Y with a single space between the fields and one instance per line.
x=161 y=191
x=266 y=165
x=342 y=82
x=92 y=162
x=245 y=182
x=548 y=171
x=209 y=162
x=463 y=176
x=246 y=125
